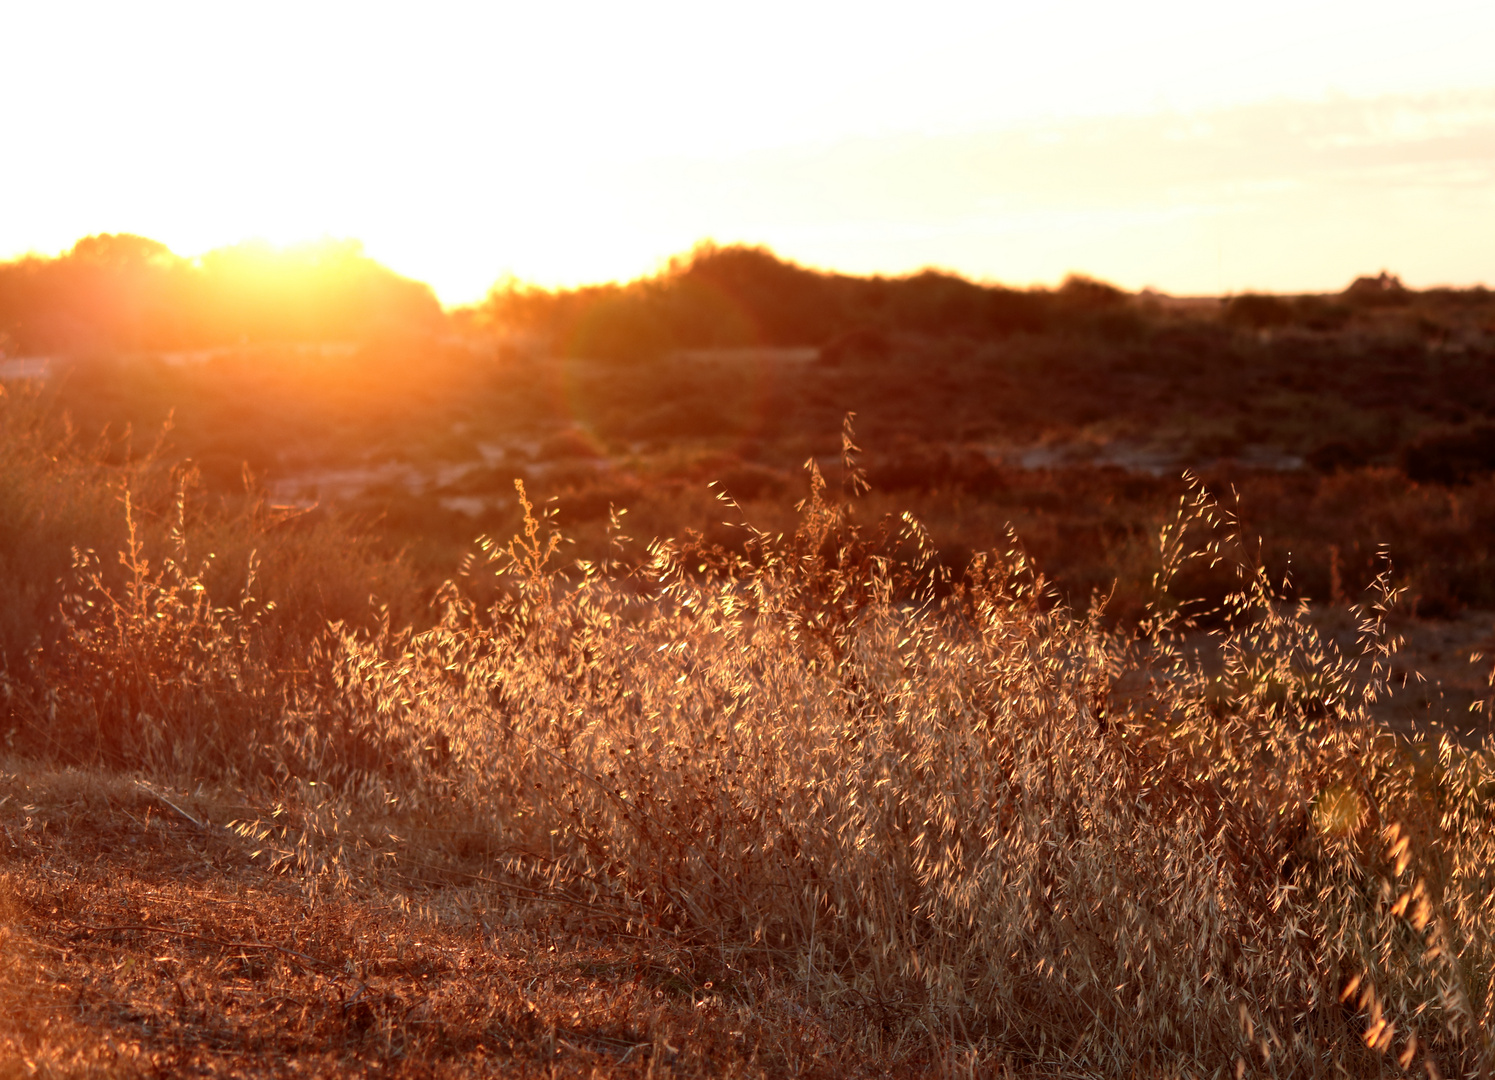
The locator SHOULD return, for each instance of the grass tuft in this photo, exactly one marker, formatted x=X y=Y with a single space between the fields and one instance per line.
x=962 y=824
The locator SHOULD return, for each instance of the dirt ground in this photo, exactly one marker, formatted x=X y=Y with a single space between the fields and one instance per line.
x=134 y=941
x=1441 y=675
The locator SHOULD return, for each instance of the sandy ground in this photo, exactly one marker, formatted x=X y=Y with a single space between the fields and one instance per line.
x=140 y=937
x=1441 y=675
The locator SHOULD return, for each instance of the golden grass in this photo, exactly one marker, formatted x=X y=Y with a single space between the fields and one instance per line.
x=950 y=826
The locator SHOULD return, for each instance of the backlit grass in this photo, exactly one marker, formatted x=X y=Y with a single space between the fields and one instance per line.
x=957 y=824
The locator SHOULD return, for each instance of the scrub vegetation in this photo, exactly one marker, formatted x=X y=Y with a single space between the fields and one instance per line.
x=833 y=786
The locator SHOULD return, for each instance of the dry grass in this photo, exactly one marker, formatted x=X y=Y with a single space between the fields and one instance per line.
x=135 y=942
x=895 y=822
x=971 y=821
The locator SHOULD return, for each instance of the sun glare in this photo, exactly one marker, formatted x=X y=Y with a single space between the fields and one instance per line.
x=476 y=141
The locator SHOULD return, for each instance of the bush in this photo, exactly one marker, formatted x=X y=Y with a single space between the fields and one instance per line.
x=1258 y=312
x=1317 y=313
x=1384 y=290
x=1333 y=456
x=148 y=625
x=864 y=344
x=1455 y=457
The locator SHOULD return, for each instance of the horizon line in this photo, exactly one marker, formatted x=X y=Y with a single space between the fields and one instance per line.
x=663 y=266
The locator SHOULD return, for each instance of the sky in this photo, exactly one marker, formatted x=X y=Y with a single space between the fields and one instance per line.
x=1192 y=148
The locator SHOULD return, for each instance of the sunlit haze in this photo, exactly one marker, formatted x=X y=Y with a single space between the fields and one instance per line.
x=1192 y=148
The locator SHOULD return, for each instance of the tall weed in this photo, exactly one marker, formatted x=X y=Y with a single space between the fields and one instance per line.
x=148 y=625
x=972 y=814
x=959 y=811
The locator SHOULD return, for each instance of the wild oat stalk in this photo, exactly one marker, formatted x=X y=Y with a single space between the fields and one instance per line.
x=963 y=810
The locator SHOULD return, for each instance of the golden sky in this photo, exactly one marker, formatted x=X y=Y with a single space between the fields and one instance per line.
x=1195 y=148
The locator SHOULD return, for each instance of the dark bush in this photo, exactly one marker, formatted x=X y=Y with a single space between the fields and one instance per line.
x=592 y=503
x=1331 y=457
x=626 y=325
x=569 y=443
x=745 y=481
x=1083 y=294
x=679 y=420
x=743 y=296
x=1258 y=312
x=785 y=304
x=1384 y=290
x=1224 y=442
x=1119 y=325
x=1455 y=457
x=855 y=346
x=1316 y=313
x=913 y=469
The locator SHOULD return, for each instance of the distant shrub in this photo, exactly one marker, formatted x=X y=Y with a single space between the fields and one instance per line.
x=746 y=481
x=738 y=296
x=1194 y=339
x=861 y=345
x=915 y=468
x=1336 y=455
x=931 y=468
x=1009 y=311
x=1258 y=312
x=592 y=501
x=759 y=298
x=1095 y=307
x=1384 y=290
x=1224 y=442
x=1080 y=293
x=568 y=443
x=1319 y=313
x=1119 y=325
x=678 y=420
x=624 y=325
x=1455 y=457
x=934 y=302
